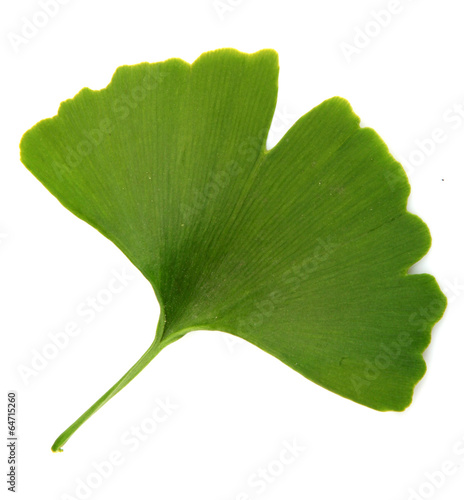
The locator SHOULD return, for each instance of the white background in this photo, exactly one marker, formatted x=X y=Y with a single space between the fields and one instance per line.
x=235 y=405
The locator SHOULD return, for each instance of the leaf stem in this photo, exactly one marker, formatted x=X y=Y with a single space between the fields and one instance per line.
x=149 y=354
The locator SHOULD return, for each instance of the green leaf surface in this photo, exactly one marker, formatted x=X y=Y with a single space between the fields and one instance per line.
x=302 y=250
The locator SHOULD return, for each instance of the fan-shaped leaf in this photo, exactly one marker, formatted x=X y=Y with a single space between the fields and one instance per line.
x=302 y=250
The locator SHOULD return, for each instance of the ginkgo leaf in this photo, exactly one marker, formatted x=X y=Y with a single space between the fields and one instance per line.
x=302 y=250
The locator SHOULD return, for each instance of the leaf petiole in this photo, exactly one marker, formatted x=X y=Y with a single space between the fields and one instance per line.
x=155 y=348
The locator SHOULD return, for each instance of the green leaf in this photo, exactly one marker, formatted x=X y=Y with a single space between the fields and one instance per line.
x=303 y=250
